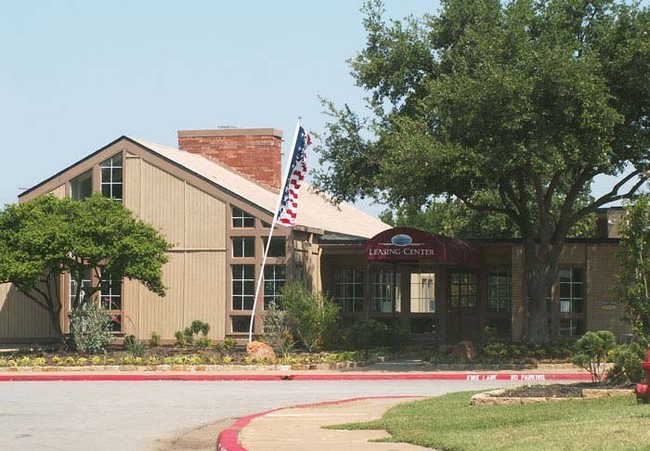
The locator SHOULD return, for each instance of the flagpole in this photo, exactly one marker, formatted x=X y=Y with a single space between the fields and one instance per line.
x=273 y=223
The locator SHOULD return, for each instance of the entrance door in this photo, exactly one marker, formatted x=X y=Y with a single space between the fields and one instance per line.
x=463 y=313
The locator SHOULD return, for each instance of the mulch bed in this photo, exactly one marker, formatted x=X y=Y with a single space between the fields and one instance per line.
x=557 y=390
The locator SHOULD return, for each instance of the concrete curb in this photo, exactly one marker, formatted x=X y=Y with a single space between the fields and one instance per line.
x=149 y=376
x=228 y=438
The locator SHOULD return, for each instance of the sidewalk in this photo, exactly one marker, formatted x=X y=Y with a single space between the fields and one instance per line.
x=301 y=428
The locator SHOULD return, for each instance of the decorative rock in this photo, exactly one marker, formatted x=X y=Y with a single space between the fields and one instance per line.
x=606 y=393
x=257 y=351
x=464 y=351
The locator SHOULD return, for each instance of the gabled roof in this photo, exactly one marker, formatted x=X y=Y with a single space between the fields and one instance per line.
x=315 y=211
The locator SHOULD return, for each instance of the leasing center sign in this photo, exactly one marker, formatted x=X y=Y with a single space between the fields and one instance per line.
x=406 y=244
x=402 y=244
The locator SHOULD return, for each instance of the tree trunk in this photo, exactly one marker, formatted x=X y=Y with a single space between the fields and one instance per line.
x=55 y=319
x=541 y=268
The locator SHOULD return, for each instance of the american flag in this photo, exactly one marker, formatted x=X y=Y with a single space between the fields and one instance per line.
x=296 y=174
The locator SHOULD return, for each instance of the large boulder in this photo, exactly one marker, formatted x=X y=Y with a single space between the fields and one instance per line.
x=258 y=351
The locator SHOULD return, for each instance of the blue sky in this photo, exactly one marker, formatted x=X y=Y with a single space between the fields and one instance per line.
x=77 y=74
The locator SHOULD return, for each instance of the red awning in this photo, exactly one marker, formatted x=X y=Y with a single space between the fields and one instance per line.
x=406 y=244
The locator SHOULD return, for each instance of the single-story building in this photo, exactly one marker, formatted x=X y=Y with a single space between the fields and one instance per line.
x=214 y=199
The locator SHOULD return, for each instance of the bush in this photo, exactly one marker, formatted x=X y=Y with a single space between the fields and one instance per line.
x=190 y=335
x=592 y=350
x=277 y=331
x=134 y=346
x=229 y=344
x=154 y=341
x=626 y=360
x=310 y=315
x=90 y=329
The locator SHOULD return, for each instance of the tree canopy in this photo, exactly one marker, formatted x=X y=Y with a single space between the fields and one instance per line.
x=513 y=108
x=46 y=237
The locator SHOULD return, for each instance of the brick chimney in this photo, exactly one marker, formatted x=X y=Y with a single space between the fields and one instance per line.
x=253 y=152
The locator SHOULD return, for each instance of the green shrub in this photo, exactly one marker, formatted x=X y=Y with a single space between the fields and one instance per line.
x=181 y=340
x=189 y=335
x=310 y=315
x=133 y=346
x=592 y=350
x=626 y=364
x=90 y=329
x=277 y=331
x=229 y=344
x=154 y=341
x=366 y=334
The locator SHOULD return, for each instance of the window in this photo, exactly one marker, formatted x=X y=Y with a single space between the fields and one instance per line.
x=463 y=289
x=571 y=290
x=499 y=287
x=423 y=292
x=243 y=246
x=382 y=291
x=274 y=279
x=241 y=219
x=82 y=186
x=348 y=290
x=111 y=299
x=111 y=294
x=243 y=287
x=278 y=246
x=570 y=327
x=86 y=288
x=111 y=181
x=241 y=324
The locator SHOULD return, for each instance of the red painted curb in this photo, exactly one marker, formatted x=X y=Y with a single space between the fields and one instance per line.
x=470 y=377
x=228 y=438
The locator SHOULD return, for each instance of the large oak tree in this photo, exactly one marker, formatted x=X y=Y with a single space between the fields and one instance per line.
x=511 y=107
x=46 y=237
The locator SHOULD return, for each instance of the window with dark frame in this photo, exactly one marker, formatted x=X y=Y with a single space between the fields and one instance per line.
x=241 y=324
x=348 y=289
x=499 y=290
x=241 y=219
x=111 y=177
x=86 y=287
x=111 y=300
x=423 y=291
x=274 y=280
x=243 y=287
x=278 y=246
x=571 y=290
x=463 y=289
x=243 y=246
x=383 y=284
x=82 y=186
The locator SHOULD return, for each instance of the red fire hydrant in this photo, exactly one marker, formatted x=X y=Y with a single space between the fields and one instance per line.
x=642 y=390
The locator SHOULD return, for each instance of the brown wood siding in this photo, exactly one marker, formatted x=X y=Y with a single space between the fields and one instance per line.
x=195 y=223
x=59 y=192
x=21 y=318
x=162 y=202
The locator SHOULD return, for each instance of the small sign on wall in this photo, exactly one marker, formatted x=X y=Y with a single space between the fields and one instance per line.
x=608 y=305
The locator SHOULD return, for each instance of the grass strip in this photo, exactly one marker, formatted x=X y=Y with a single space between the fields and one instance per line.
x=450 y=423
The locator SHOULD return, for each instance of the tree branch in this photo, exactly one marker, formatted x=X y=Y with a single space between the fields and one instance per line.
x=610 y=197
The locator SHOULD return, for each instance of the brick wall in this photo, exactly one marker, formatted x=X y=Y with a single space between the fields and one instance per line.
x=603 y=310
x=254 y=152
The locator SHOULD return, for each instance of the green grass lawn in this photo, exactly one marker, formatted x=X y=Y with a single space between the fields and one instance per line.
x=450 y=423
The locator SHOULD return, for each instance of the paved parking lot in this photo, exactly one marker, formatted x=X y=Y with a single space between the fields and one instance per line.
x=138 y=415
